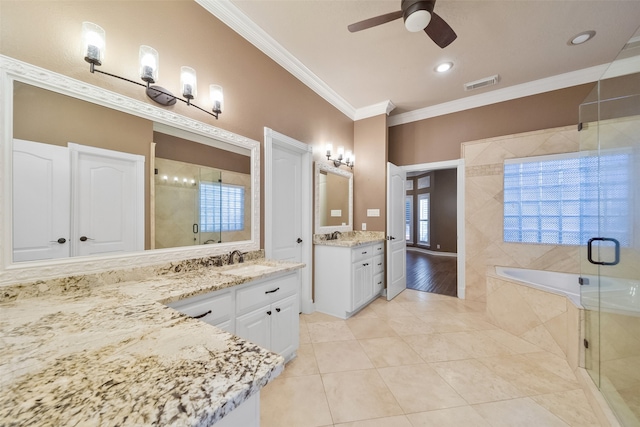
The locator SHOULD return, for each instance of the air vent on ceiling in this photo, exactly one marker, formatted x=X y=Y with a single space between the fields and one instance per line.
x=489 y=81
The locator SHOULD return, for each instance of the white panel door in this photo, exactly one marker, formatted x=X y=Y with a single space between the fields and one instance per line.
x=287 y=201
x=41 y=201
x=396 y=244
x=108 y=201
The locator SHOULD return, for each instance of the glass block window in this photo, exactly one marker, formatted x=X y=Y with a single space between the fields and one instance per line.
x=408 y=218
x=221 y=207
x=424 y=182
x=423 y=219
x=555 y=199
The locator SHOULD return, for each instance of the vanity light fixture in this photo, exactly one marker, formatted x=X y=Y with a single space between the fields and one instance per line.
x=93 y=47
x=348 y=159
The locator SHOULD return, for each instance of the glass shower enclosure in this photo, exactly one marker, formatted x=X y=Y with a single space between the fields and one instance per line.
x=610 y=254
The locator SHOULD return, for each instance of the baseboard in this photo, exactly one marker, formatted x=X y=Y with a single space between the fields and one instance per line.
x=430 y=252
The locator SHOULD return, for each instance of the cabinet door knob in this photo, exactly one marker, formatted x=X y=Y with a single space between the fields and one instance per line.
x=269 y=312
x=299 y=240
x=60 y=240
x=278 y=310
x=85 y=238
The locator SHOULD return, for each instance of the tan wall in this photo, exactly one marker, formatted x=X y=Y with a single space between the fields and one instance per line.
x=171 y=147
x=337 y=199
x=439 y=138
x=369 y=172
x=258 y=92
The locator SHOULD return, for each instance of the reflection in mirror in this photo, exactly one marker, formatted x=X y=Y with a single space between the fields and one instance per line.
x=333 y=199
x=86 y=181
x=201 y=193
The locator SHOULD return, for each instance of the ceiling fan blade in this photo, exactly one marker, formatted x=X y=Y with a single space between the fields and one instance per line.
x=439 y=31
x=375 y=21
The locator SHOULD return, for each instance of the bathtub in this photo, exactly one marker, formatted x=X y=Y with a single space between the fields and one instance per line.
x=617 y=295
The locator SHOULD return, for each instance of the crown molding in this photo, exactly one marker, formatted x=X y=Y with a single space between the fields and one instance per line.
x=233 y=17
x=561 y=81
x=384 y=107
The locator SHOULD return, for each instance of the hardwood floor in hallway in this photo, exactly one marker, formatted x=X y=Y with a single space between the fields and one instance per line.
x=431 y=273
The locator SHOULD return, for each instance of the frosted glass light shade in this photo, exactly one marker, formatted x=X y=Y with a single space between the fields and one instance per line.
x=217 y=98
x=149 y=60
x=188 y=82
x=93 y=43
x=417 y=21
x=329 y=149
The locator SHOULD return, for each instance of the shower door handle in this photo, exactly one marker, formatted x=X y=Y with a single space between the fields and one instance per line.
x=603 y=239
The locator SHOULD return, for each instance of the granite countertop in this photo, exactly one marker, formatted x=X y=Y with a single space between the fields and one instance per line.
x=350 y=239
x=114 y=354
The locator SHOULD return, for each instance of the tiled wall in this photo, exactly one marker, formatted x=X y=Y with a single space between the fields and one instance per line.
x=484 y=207
x=550 y=321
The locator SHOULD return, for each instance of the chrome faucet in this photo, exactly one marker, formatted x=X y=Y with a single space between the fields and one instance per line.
x=240 y=257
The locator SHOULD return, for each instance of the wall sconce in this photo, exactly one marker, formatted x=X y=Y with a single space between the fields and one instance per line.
x=348 y=159
x=93 y=47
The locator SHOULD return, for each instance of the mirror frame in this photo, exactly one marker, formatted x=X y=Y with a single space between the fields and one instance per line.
x=320 y=229
x=15 y=70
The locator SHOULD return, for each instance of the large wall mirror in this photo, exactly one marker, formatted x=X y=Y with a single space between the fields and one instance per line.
x=333 y=199
x=93 y=180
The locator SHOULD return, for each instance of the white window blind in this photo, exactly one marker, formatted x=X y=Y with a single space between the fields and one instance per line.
x=555 y=199
x=423 y=218
x=221 y=207
x=408 y=218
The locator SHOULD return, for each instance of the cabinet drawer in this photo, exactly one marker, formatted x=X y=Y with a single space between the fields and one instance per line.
x=266 y=292
x=378 y=264
x=212 y=309
x=361 y=252
x=378 y=249
x=378 y=283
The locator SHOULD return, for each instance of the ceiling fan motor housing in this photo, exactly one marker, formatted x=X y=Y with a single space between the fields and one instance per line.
x=416 y=14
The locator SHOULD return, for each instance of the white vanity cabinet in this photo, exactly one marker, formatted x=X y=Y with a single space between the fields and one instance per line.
x=268 y=315
x=263 y=311
x=347 y=278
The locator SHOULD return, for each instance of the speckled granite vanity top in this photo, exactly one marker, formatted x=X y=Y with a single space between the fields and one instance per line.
x=102 y=351
x=350 y=239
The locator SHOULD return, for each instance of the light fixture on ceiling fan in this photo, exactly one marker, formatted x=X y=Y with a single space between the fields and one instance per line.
x=418 y=15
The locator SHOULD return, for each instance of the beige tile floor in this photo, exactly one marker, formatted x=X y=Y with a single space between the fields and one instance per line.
x=421 y=360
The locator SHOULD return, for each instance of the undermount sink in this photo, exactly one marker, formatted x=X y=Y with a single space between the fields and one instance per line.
x=248 y=270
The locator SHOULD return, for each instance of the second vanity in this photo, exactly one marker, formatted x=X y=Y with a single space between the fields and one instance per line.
x=114 y=348
x=348 y=272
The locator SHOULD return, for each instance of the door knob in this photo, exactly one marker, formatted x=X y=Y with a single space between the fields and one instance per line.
x=85 y=238
x=299 y=240
x=60 y=240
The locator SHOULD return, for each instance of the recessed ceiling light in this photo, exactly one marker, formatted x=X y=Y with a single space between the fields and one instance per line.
x=444 y=67
x=581 y=38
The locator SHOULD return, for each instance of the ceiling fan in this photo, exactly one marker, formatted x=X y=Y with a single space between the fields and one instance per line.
x=418 y=15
